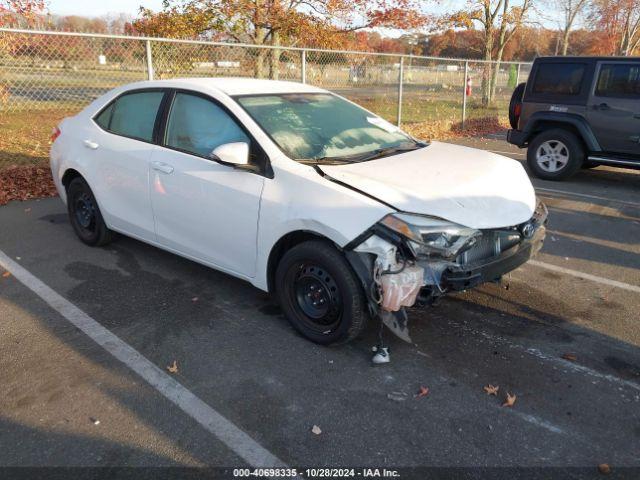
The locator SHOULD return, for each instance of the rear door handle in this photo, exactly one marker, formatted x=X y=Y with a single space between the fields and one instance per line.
x=91 y=144
x=602 y=106
x=162 y=167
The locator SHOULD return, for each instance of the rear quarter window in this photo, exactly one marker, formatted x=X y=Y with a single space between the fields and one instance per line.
x=619 y=80
x=559 y=79
x=132 y=115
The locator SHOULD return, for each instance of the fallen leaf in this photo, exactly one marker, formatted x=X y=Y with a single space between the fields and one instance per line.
x=570 y=356
x=424 y=391
x=195 y=299
x=604 y=468
x=173 y=368
x=492 y=390
x=510 y=401
x=95 y=421
x=27 y=210
x=316 y=430
x=6 y=274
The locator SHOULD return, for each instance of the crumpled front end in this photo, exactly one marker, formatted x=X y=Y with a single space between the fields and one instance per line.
x=402 y=264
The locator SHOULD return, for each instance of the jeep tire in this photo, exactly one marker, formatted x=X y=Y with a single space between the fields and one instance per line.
x=555 y=154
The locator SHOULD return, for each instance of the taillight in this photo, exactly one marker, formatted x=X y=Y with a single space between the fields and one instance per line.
x=55 y=133
x=517 y=110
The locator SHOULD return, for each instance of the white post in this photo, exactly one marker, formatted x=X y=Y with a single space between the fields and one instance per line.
x=518 y=75
x=400 y=81
x=464 y=93
x=304 y=66
x=149 y=60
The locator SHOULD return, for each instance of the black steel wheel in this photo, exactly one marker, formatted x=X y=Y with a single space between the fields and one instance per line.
x=319 y=293
x=84 y=214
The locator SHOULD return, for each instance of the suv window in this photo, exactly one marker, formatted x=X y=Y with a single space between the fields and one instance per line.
x=134 y=115
x=619 y=80
x=559 y=78
x=197 y=125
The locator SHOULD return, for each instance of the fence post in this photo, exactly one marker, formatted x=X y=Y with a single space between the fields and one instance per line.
x=464 y=93
x=400 y=81
x=518 y=75
x=304 y=66
x=149 y=60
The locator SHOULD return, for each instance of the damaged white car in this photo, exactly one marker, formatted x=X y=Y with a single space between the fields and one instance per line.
x=338 y=213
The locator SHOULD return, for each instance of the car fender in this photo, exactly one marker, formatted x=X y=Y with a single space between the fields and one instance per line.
x=576 y=121
x=301 y=200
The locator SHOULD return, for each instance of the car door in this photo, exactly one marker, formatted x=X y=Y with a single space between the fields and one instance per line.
x=204 y=209
x=120 y=151
x=614 y=113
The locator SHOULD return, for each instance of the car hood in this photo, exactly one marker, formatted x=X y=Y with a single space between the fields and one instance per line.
x=467 y=186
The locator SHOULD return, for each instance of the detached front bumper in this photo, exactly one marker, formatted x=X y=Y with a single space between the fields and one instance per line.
x=463 y=277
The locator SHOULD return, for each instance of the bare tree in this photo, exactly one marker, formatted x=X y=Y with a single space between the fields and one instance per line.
x=567 y=13
x=499 y=21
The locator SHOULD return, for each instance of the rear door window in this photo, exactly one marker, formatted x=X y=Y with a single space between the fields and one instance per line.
x=134 y=115
x=619 y=80
x=559 y=78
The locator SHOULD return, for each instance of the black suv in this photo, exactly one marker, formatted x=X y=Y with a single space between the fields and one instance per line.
x=578 y=112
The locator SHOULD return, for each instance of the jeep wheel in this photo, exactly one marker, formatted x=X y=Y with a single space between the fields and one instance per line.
x=555 y=154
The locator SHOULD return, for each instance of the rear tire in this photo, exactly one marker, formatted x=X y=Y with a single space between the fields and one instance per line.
x=85 y=216
x=319 y=293
x=555 y=154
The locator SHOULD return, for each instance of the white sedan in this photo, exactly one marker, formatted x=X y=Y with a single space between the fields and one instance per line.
x=337 y=212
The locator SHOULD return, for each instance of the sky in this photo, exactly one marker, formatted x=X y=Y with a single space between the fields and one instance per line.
x=88 y=8
x=93 y=8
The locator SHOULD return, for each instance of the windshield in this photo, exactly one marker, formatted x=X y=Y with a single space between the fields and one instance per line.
x=321 y=127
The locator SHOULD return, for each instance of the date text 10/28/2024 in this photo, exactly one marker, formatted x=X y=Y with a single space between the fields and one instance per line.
x=316 y=472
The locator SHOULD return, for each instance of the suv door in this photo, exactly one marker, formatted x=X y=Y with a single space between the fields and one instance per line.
x=203 y=209
x=614 y=107
x=120 y=152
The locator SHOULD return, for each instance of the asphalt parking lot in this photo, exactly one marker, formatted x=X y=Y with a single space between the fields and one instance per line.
x=562 y=335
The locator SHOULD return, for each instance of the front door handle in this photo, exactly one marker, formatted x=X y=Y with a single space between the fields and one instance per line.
x=637 y=116
x=602 y=106
x=162 y=167
x=91 y=144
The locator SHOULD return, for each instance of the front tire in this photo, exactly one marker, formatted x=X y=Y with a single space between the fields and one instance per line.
x=85 y=216
x=555 y=154
x=319 y=293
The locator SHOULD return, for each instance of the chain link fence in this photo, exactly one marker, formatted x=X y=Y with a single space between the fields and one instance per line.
x=65 y=71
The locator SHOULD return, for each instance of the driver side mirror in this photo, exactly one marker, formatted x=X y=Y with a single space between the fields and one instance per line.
x=234 y=154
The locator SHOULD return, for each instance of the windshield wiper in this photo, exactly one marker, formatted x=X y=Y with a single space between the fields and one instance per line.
x=385 y=152
x=378 y=153
x=326 y=160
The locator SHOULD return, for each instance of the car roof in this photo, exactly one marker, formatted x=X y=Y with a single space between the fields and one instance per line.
x=563 y=59
x=233 y=85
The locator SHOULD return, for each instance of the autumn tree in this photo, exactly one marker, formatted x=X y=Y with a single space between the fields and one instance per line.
x=276 y=22
x=498 y=20
x=620 y=21
x=20 y=12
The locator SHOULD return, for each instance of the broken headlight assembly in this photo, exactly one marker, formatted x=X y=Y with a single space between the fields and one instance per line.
x=432 y=237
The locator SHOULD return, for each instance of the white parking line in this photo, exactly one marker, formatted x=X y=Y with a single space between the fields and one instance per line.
x=226 y=431
x=552 y=358
x=585 y=276
x=508 y=153
x=584 y=195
